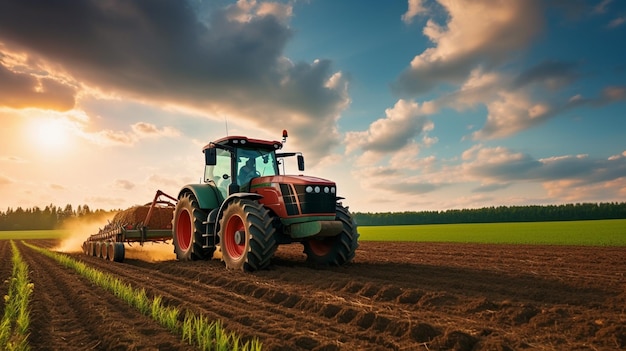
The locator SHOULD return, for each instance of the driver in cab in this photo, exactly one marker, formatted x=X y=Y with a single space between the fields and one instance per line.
x=247 y=172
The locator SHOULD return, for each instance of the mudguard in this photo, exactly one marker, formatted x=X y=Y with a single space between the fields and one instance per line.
x=207 y=195
x=230 y=199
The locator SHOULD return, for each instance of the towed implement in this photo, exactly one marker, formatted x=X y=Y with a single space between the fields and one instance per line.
x=139 y=224
x=245 y=207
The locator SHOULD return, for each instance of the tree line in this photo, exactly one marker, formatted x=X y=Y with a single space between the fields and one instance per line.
x=532 y=213
x=50 y=217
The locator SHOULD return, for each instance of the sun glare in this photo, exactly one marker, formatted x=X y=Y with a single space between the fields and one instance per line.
x=50 y=133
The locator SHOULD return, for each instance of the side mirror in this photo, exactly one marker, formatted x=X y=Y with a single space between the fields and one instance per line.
x=210 y=156
x=300 y=162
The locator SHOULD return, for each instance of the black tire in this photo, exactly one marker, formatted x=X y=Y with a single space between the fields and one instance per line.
x=118 y=252
x=246 y=236
x=187 y=230
x=336 y=250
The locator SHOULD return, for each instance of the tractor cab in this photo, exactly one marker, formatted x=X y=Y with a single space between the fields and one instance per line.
x=232 y=162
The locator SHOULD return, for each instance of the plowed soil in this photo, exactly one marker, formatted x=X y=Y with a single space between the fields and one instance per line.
x=394 y=296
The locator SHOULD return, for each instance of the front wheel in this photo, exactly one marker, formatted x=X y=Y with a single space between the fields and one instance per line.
x=336 y=250
x=246 y=236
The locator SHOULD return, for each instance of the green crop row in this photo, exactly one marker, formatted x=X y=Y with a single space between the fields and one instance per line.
x=16 y=320
x=195 y=330
x=589 y=233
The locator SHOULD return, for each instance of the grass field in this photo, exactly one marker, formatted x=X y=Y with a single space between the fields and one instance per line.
x=34 y=234
x=594 y=233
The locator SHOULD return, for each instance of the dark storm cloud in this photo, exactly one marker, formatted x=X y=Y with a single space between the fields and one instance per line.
x=179 y=51
x=150 y=47
x=19 y=90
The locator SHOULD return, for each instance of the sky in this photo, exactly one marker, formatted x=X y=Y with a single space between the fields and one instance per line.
x=408 y=105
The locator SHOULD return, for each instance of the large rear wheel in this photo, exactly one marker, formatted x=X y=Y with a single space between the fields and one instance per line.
x=336 y=250
x=187 y=230
x=246 y=236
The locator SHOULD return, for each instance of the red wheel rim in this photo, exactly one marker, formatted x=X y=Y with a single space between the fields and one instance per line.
x=320 y=247
x=234 y=225
x=183 y=230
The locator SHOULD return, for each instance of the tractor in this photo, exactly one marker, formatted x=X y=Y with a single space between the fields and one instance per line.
x=245 y=207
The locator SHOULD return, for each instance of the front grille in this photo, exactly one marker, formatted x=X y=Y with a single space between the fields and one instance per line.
x=299 y=202
x=311 y=203
x=291 y=201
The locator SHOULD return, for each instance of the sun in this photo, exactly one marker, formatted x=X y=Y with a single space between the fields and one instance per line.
x=50 y=133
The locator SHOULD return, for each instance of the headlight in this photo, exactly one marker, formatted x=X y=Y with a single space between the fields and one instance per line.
x=317 y=189
x=309 y=189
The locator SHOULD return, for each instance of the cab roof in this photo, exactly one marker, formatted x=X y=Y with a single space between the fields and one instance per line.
x=242 y=141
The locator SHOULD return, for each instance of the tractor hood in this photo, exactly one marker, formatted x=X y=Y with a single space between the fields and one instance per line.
x=295 y=180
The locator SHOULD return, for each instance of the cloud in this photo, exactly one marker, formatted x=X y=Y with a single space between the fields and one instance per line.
x=503 y=28
x=602 y=6
x=497 y=164
x=149 y=130
x=124 y=184
x=616 y=22
x=57 y=187
x=487 y=188
x=4 y=180
x=22 y=90
x=107 y=137
x=607 y=96
x=511 y=112
x=490 y=169
x=516 y=103
x=552 y=73
x=15 y=159
x=405 y=121
x=221 y=61
x=416 y=7
x=501 y=165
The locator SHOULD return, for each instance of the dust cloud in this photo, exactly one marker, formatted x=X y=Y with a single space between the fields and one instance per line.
x=80 y=229
x=151 y=251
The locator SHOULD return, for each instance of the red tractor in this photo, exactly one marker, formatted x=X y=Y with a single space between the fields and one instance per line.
x=246 y=208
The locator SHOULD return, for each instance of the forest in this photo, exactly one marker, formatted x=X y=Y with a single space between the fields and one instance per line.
x=50 y=217
x=532 y=213
x=53 y=217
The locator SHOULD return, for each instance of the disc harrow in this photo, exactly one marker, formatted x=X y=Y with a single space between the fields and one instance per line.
x=151 y=222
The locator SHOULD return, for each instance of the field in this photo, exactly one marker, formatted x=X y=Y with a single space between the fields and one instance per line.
x=594 y=233
x=394 y=296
